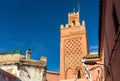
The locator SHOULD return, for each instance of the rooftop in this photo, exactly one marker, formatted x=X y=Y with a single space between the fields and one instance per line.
x=18 y=51
x=15 y=57
x=92 y=55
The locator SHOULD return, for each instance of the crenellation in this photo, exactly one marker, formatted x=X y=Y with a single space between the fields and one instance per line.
x=62 y=26
x=83 y=22
x=73 y=13
x=66 y=26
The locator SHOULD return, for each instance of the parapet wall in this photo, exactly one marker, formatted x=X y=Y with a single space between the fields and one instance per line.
x=68 y=30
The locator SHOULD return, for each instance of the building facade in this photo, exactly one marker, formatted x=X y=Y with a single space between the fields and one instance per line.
x=73 y=46
x=109 y=36
x=21 y=68
x=95 y=72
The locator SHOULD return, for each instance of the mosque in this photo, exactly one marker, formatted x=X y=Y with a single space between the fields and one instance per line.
x=76 y=62
x=74 y=50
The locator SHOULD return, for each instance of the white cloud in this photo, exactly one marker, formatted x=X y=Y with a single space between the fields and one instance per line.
x=93 y=48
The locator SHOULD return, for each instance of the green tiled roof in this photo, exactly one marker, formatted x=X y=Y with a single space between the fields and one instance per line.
x=91 y=55
x=18 y=51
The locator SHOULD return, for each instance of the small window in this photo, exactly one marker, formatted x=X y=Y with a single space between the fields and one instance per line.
x=78 y=75
x=73 y=22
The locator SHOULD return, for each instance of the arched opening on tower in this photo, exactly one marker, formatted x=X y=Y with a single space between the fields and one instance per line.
x=78 y=74
x=73 y=21
x=69 y=74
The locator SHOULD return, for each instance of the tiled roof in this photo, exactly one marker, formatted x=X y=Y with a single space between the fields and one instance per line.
x=91 y=55
x=18 y=51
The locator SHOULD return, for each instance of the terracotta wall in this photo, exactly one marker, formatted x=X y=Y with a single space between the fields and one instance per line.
x=73 y=46
x=52 y=76
x=109 y=38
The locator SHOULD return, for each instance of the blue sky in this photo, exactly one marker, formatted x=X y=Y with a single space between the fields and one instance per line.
x=35 y=24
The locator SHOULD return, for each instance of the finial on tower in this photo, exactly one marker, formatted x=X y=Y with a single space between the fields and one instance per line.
x=78 y=6
x=73 y=9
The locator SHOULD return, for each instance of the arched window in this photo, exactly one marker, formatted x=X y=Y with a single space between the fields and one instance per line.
x=69 y=74
x=73 y=21
x=78 y=74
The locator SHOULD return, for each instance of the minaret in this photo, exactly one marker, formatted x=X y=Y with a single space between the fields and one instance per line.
x=73 y=46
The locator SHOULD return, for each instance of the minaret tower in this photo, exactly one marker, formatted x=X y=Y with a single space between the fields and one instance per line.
x=73 y=46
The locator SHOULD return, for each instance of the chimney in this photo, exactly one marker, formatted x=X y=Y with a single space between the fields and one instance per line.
x=28 y=54
x=43 y=58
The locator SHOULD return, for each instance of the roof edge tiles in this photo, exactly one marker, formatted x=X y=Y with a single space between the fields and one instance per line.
x=91 y=55
x=18 y=51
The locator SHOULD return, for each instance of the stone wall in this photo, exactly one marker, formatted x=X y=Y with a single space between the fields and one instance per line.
x=31 y=73
x=12 y=69
x=22 y=73
x=6 y=76
x=10 y=57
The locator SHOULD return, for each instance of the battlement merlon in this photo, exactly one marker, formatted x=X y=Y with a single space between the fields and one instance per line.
x=73 y=13
x=72 y=26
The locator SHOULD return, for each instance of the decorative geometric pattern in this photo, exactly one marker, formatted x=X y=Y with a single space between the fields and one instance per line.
x=72 y=51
